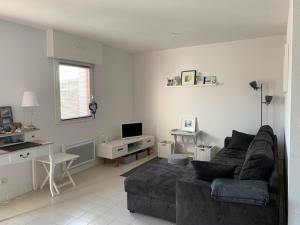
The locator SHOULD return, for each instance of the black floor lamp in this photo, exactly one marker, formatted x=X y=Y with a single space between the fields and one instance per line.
x=268 y=98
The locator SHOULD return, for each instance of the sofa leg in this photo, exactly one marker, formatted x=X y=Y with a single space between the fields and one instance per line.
x=131 y=211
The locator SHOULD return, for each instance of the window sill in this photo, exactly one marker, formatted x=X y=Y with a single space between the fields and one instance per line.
x=72 y=121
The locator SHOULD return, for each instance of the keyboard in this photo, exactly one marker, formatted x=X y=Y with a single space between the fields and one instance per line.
x=21 y=146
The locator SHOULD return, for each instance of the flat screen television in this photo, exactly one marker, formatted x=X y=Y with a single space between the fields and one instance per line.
x=132 y=130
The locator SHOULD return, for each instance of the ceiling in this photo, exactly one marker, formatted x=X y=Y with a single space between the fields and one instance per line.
x=144 y=25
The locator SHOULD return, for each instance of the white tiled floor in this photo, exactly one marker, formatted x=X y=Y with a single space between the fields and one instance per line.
x=98 y=199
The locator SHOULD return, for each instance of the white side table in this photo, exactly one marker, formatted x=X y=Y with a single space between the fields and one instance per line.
x=183 y=134
x=205 y=153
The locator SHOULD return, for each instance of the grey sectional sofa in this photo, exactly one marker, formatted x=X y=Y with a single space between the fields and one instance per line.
x=175 y=193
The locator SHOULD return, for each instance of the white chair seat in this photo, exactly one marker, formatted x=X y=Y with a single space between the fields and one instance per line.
x=57 y=158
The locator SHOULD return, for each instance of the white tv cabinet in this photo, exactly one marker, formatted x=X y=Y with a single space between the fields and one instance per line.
x=122 y=147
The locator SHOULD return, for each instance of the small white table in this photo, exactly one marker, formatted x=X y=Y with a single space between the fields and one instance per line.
x=182 y=134
x=52 y=160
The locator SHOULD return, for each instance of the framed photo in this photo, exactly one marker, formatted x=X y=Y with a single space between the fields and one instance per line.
x=188 y=77
x=6 y=117
x=209 y=80
x=188 y=123
x=5 y=111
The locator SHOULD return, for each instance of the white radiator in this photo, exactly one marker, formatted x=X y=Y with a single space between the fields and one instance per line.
x=85 y=150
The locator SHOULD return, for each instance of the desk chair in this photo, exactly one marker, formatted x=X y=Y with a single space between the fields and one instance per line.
x=55 y=159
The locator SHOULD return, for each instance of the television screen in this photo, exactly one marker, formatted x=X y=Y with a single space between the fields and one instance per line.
x=132 y=130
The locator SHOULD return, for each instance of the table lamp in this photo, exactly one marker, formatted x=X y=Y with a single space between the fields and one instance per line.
x=30 y=101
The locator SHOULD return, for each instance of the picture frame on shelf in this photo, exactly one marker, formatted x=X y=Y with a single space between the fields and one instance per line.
x=188 y=123
x=6 y=117
x=209 y=80
x=188 y=77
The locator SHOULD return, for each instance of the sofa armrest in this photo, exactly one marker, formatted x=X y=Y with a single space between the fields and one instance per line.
x=227 y=141
x=194 y=206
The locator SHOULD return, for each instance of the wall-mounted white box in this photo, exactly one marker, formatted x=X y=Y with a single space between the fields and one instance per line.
x=165 y=149
x=62 y=45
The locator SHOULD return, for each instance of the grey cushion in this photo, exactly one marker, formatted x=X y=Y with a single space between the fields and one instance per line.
x=259 y=161
x=178 y=159
x=240 y=141
x=247 y=191
x=157 y=180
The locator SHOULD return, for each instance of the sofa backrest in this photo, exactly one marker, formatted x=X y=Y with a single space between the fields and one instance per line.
x=262 y=158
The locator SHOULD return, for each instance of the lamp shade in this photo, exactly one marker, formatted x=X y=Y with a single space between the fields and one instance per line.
x=268 y=99
x=253 y=84
x=29 y=99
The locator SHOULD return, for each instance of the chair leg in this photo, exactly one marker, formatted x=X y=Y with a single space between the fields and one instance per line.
x=68 y=173
x=46 y=178
x=51 y=175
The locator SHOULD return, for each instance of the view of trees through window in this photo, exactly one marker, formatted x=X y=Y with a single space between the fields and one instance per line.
x=75 y=91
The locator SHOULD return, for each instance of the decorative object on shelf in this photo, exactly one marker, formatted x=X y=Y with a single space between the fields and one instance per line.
x=93 y=107
x=6 y=117
x=169 y=81
x=188 y=77
x=177 y=81
x=268 y=98
x=30 y=101
x=198 y=79
x=210 y=80
x=188 y=123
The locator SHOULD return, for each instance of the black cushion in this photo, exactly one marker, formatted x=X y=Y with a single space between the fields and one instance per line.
x=264 y=136
x=259 y=161
x=240 y=141
x=267 y=128
x=209 y=171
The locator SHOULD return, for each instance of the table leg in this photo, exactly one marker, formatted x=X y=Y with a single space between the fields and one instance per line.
x=175 y=143
x=51 y=175
x=117 y=162
x=34 y=182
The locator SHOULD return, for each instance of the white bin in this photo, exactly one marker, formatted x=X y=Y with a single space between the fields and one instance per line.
x=165 y=149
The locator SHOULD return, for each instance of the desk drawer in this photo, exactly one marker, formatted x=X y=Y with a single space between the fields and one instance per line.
x=4 y=159
x=119 y=151
x=23 y=155
x=148 y=142
x=42 y=151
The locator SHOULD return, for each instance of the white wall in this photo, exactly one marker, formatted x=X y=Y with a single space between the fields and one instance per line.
x=232 y=105
x=292 y=115
x=24 y=66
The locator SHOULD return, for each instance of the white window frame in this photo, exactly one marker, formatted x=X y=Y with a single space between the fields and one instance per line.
x=56 y=64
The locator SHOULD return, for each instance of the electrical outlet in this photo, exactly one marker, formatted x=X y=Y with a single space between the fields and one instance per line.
x=3 y=180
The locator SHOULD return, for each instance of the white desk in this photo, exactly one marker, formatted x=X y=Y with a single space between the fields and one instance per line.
x=25 y=155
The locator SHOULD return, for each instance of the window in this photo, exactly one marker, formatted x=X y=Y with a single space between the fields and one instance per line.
x=74 y=89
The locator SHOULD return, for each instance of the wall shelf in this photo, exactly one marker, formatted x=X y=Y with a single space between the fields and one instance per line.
x=196 y=85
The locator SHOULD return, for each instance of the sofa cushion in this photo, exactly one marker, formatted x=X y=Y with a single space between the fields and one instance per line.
x=264 y=136
x=240 y=141
x=253 y=192
x=267 y=129
x=259 y=161
x=209 y=171
x=157 y=180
